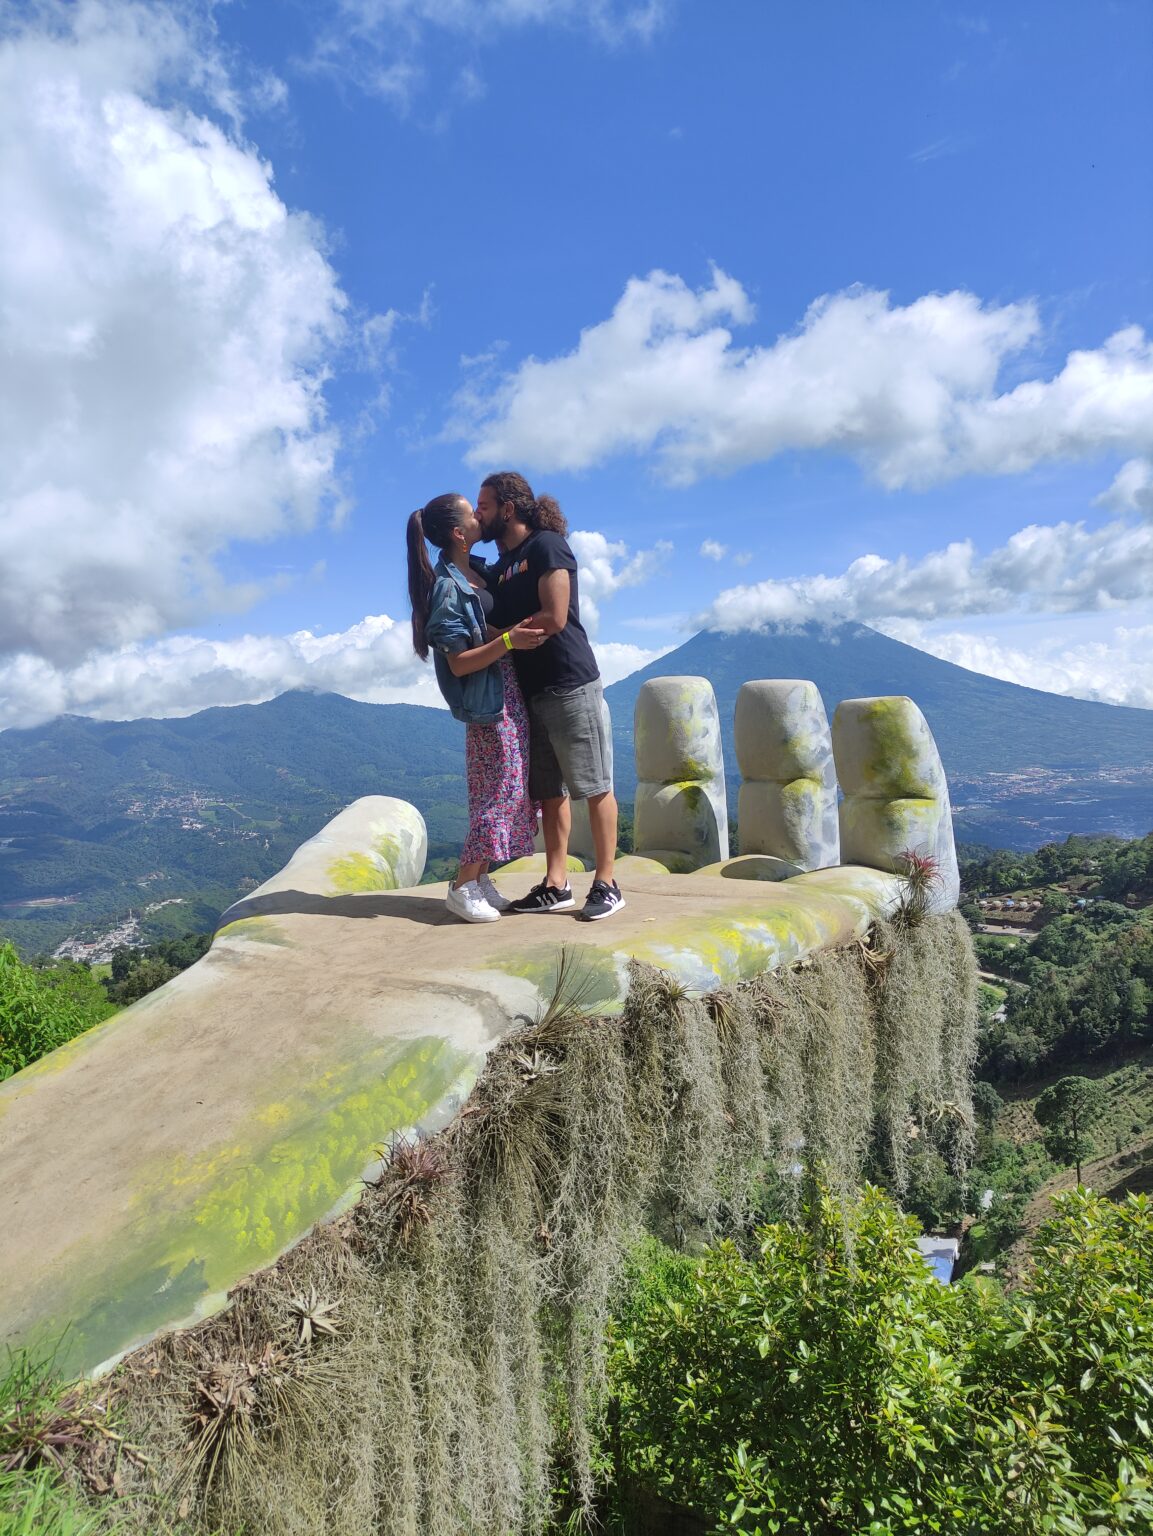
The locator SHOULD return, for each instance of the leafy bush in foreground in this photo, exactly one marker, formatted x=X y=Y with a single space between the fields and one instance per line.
x=41 y=1009
x=830 y=1385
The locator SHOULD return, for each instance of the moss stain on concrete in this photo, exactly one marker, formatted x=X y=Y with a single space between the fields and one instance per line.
x=896 y=764
x=259 y=930
x=357 y=872
x=202 y=1223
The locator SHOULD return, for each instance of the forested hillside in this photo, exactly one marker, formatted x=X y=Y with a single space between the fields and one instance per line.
x=1065 y=1051
x=172 y=819
x=1079 y=974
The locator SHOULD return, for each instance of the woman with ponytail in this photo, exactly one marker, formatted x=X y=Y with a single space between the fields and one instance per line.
x=449 y=605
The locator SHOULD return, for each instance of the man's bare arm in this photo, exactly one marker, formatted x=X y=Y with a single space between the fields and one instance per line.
x=553 y=596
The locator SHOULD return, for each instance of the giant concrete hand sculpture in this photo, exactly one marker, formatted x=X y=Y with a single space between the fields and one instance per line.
x=680 y=815
x=156 y=1161
x=896 y=798
x=787 y=805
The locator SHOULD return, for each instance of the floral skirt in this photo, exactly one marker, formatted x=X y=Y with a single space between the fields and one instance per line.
x=501 y=817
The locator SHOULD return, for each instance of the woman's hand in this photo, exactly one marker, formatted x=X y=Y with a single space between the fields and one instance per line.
x=526 y=638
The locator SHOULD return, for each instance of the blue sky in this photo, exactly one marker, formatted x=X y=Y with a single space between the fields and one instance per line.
x=824 y=311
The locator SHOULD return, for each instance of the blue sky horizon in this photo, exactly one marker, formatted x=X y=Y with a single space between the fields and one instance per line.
x=802 y=313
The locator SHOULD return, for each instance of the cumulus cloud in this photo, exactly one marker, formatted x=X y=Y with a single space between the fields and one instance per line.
x=617 y=659
x=167 y=326
x=383 y=45
x=908 y=391
x=711 y=550
x=606 y=566
x=373 y=660
x=1063 y=568
x=1120 y=672
x=1132 y=488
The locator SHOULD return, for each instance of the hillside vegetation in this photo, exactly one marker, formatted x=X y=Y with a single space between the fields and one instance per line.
x=1076 y=1002
x=43 y=1007
x=1082 y=970
x=171 y=820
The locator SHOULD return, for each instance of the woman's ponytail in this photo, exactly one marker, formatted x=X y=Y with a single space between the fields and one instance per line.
x=435 y=523
x=420 y=579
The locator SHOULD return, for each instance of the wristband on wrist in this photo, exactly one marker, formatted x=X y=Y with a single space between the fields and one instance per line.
x=507 y=641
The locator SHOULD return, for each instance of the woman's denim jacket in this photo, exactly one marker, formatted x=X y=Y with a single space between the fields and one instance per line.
x=456 y=623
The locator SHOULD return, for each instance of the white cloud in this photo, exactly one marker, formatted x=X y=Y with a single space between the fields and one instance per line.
x=1065 y=568
x=167 y=325
x=616 y=659
x=711 y=550
x=1116 y=673
x=373 y=660
x=1132 y=488
x=383 y=45
x=607 y=566
x=909 y=391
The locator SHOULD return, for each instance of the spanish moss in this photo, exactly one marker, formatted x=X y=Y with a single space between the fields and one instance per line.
x=434 y=1362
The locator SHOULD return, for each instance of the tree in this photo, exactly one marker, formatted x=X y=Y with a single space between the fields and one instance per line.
x=987 y=1102
x=1067 y=1109
x=142 y=978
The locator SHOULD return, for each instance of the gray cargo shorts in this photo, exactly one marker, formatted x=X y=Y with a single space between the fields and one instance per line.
x=570 y=743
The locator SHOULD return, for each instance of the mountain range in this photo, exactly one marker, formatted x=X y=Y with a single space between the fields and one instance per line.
x=171 y=818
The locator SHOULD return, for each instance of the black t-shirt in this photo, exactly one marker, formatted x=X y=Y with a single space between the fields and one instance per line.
x=565 y=660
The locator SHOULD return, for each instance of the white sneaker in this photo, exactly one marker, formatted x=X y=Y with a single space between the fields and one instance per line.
x=467 y=902
x=490 y=893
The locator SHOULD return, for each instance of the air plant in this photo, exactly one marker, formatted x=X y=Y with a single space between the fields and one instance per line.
x=534 y=1064
x=922 y=877
x=721 y=1010
x=572 y=991
x=874 y=959
x=416 y=1169
x=315 y=1318
x=233 y=1395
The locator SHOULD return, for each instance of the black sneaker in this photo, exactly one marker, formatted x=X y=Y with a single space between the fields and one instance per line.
x=545 y=898
x=603 y=901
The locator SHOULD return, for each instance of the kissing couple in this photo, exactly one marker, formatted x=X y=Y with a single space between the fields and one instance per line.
x=514 y=663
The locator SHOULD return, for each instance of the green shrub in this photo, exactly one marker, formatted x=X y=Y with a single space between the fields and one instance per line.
x=829 y=1385
x=42 y=1008
x=831 y=1358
